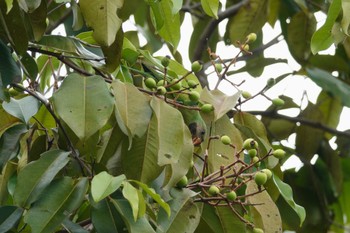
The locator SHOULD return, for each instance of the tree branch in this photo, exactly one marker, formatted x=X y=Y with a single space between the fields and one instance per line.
x=207 y=32
x=303 y=121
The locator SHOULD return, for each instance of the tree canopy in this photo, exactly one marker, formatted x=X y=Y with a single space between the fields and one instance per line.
x=98 y=134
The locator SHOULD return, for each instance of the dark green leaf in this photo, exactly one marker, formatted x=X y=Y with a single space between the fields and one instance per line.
x=9 y=217
x=73 y=227
x=9 y=70
x=36 y=176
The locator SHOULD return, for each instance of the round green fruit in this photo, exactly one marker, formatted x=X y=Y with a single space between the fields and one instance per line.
x=161 y=90
x=207 y=108
x=218 y=67
x=258 y=230
x=268 y=173
x=150 y=83
x=252 y=153
x=260 y=178
x=160 y=83
x=226 y=140
x=231 y=196
x=175 y=84
x=250 y=143
x=213 y=190
x=165 y=61
x=278 y=102
x=255 y=161
x=192 y=84
x=246 y=94
x=270 y=82
x=245 y=47
x=279 y=153
x=251 y=37
x=196 y=66
x=194 y=96
x=182 y=182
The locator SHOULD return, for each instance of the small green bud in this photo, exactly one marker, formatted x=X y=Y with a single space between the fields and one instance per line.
x=268 y=173
x=207 y=108
x=161 y=90
x=279 y=153
x=250 y=143
x=246 y=47
x=226 y=140
x=213 y=190
x=192 y=83
x=231 y=196
x=194 y=96
x=255 y=161
x=150 y=83
x=260 y=178
x=246 y=94
x=182 y=182
x=196 y=66
x=252 y=153
x=270 y=82
x=165 y=61
x=175 y=84
x=218 y=67
x=278 y=102
x=251 y=37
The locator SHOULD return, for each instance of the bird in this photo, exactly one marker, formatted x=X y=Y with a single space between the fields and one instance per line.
x=196 y=125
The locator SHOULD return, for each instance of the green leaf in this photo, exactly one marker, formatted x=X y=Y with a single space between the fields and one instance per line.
x=211 y=7
x=229 y=221
x=73 y=227
x=250 y=18
x=169 y=147
x=345 y=21
x=36 y=176
x=50 y=211
x=46 y=66
x=105 y=217
x=141 y=225
x=140 y=162
x=102 y=16
x=170 y=31
x=9 y=4
x=7 y=174
x=9 y=217
x=155 y=196
x=129 y=103
x=103 y=184
x=157 y=14
x=322 y=38
x=287 y=193
x=23 y=108
x=222 y=103
x=265 y=216
x=329 y=63
x=29 y=5
x=30 y=66
x=7 y=120
x=300 y=30
x=210 y=222
x=130 y=193
x=9 y=70
x=37 y=20
x=84 y=104
x=218 y=153
x=113 y=52
x=185 y=214
x=330 y=83
x=9 y=143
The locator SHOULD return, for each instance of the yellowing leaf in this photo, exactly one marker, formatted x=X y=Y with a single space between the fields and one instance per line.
x=104 y=184
x=102 y=16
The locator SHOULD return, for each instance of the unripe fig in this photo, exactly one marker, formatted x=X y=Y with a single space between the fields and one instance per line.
x=258 y=230
x=150 y=83
x=218 y=67
x=246 y=94
x=251 y=37
x=182 y=182
x=161 y=90
x=268 y=173
x=279 y=153
x=260 y=178
x=194 y=96
x=192 y=83
x=213 y=190
x=252 y=153
x=270 y=82
x=196 y=66
x=255 y=161
x=165 y=61
x=231 y=196
x=278 y=102
x=245 y=47
x=175 y=84
x=160 y=83
x=207 y=108
x=225 y=140
x=250 y=143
